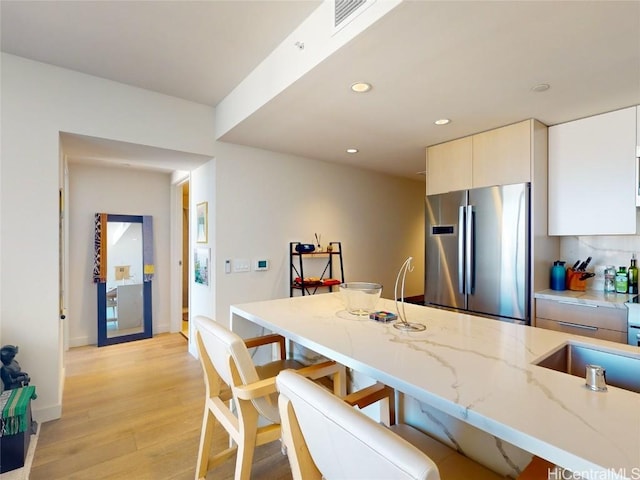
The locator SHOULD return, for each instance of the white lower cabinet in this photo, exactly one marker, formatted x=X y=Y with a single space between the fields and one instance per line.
x=596 y=321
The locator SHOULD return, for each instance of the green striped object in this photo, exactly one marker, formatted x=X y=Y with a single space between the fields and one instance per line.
x=14 y=404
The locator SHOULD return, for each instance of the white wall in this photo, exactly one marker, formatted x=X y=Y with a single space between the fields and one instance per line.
x=94 y=189
x=38 y=102
x=202 y=298
x=258 y=202
x=265 y=200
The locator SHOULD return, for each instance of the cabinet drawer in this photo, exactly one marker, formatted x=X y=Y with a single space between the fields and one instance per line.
x=589 y=315
x=586 y=331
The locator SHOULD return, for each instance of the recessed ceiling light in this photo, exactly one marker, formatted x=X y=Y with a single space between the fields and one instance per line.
x=352 y=150
x=361 y=87
x=541 y=87
x=442 y=121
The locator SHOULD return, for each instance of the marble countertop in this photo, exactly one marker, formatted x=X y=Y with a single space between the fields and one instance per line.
x=478 y=370
x=588 y=297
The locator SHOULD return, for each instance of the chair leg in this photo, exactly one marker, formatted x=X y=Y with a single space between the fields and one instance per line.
x=300 y=460
x=340 y=382
x=206 y=436
x=248 y=420
x=388 y=411
x=378 y=392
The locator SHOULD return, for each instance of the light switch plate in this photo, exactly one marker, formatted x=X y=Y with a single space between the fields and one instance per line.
x=241 y=265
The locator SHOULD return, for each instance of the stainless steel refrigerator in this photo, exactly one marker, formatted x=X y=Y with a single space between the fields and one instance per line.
x=477 y=251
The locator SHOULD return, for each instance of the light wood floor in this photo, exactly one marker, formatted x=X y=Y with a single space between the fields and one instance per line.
x=134 y=411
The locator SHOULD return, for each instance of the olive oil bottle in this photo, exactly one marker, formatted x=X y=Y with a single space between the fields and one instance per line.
x=632 y=275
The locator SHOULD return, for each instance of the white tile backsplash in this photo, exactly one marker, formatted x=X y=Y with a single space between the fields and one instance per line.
x=604 y=250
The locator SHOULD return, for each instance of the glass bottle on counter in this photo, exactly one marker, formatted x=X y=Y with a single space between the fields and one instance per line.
x=632 y=276
x=610 y=279
x=621 y=280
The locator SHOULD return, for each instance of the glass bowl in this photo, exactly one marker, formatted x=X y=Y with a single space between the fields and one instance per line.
x=360 y=298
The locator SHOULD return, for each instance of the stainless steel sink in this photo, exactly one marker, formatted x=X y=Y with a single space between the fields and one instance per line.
x=622 y=369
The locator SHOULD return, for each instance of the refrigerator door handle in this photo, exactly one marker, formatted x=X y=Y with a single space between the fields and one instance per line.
x=461 y=249
x=470 y=234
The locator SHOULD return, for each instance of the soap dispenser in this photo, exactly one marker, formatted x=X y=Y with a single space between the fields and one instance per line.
x=558 y=276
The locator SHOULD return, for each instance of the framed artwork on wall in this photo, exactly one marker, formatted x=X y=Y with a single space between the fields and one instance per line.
x=201 y=259
x=202 y=223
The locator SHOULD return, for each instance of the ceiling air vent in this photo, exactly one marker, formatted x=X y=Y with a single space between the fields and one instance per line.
x=344 y=8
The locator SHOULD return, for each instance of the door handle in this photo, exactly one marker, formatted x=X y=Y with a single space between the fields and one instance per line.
x=470 y=272
x=577 y=325
x=461 y=249
x=588 y=305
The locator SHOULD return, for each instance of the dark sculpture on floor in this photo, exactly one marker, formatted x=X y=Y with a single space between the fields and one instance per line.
x=10 y=373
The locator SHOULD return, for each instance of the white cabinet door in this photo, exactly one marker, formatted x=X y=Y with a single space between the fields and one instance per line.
x=592 y=172
x=637 y=184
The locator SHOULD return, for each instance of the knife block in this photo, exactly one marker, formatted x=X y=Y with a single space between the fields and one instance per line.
x=573 y=281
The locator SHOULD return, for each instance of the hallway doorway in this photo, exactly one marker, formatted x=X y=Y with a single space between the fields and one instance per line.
x=185 y=260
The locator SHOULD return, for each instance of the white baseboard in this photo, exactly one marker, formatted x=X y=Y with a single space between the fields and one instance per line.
x=82 y=341
x=46 y=414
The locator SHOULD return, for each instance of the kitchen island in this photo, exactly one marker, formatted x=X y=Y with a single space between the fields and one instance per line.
x=478 y=370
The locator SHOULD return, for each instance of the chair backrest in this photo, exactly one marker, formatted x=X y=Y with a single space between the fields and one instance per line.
x=341 y=441
x=231 y=360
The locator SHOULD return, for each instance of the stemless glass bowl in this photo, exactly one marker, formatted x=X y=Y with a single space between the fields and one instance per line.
x=360 y=298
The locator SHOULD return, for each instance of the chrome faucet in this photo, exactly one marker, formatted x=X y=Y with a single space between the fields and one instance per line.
x=596 y=378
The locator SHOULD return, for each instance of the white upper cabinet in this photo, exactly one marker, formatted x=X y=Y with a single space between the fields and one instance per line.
x=592 y=175
x=637 y=184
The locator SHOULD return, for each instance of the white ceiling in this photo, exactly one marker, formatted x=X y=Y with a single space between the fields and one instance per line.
x=111 y=153
x=474 y=62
